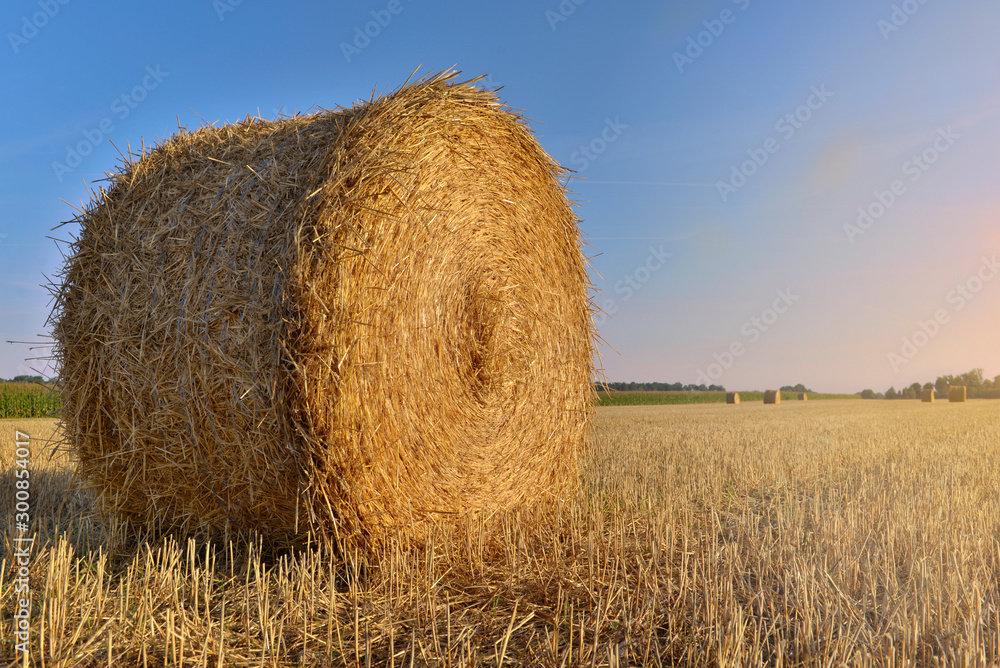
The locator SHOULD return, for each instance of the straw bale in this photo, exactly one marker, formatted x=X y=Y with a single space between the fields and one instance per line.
x=772 y=397
x=956 y=393
x=803 y=396
x=927 y=396
x=350 y=322
x=733 y=398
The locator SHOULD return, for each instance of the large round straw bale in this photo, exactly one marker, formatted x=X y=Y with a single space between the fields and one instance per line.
x=927 y=396
x=956 y=393
x=349 y=322
x=733 y=398
x=772 y=397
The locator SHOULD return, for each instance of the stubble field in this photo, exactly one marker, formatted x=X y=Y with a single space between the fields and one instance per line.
x=821 y=533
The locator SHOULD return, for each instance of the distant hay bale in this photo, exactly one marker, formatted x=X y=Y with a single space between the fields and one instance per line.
x=956 y=393
x=732 y=397
x=803 y=396
x=772 y=397
x=350 y=323
x=927 y=396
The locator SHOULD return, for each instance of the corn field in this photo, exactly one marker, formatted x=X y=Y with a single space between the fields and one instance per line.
x=27 y=400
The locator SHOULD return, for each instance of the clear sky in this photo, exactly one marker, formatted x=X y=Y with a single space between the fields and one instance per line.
x=723 y=151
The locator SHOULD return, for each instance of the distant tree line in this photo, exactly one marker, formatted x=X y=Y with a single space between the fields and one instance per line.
x=795 y=388
x=975 y=381
x=26 y=379
x=659 y=387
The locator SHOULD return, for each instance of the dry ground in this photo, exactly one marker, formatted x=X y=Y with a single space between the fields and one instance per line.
x=822 y=533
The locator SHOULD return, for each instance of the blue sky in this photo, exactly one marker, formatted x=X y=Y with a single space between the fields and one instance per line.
x=723 y=151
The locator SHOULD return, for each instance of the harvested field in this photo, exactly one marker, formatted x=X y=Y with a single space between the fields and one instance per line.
x=854 y=532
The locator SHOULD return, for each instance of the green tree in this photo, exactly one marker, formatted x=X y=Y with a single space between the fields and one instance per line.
x=27 y=379
x=974 y=379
